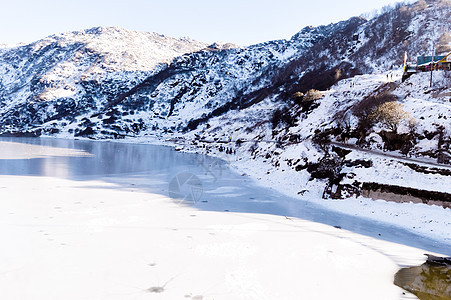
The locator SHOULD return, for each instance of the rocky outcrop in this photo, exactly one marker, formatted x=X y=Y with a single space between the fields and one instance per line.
x=404 y=194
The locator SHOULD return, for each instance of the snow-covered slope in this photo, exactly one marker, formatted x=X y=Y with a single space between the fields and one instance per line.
x=314 y=156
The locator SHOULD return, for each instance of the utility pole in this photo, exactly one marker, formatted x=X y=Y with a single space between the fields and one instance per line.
x=432 y=64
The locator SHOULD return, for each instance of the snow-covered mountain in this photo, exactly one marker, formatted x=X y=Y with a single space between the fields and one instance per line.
x=66 y=75
x=115 y=83
x=147 y=82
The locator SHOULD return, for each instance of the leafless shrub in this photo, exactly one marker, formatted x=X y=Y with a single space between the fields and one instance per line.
x=366 y=107
x=297 y=95
x=444 y=43
x=312 y=95
x=420 y=5
x=391 y=114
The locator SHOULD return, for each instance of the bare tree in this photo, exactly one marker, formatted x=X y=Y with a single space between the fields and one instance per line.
x=391 y=114
x=444 y=43
x=421 y=5
x=312 y=95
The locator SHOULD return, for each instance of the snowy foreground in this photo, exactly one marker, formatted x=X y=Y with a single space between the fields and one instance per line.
x=88 y=240
x=68 y=239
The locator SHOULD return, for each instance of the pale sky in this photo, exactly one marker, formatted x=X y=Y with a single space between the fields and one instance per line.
x=242 y=22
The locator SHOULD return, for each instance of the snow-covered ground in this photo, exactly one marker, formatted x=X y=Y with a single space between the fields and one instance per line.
x=96 y=239
x=257 y=157
x=68 y=239
x=108 y=82
x=427 y=220
x=149 y=247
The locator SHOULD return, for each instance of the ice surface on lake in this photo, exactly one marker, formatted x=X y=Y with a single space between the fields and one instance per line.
x=151 y=168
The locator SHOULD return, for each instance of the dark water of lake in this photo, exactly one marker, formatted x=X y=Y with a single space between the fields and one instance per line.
x=214 y=186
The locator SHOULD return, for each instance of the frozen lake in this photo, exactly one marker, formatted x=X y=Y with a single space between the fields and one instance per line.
x=204 y=182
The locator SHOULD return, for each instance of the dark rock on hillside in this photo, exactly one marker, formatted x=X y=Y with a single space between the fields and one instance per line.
x=405 y=194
